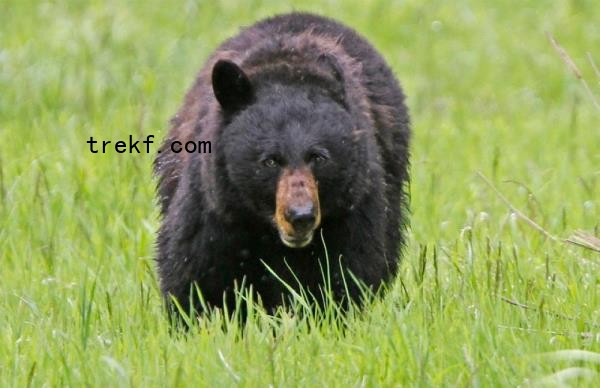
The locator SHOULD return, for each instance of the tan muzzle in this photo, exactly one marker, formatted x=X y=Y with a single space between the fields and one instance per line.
x=297 y=210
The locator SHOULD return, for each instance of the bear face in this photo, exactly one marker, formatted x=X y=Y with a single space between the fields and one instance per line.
x=282 y=149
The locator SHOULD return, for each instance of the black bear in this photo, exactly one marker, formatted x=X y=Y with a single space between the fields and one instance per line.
x=310 y=145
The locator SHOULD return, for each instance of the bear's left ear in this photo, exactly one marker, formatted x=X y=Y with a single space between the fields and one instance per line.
x=332 y=65
x=231 y=86
x=335 y=70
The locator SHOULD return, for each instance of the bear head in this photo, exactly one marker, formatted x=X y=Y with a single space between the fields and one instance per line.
x=290 y=146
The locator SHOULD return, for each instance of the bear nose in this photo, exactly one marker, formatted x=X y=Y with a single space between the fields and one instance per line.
x=301 y=218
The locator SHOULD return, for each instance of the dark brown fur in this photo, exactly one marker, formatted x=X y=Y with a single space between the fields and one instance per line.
x=303 y=49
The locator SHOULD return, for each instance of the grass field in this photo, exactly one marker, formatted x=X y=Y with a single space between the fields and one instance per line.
x=484 y=299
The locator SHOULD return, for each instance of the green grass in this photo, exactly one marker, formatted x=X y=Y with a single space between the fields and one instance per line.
x=79 y=302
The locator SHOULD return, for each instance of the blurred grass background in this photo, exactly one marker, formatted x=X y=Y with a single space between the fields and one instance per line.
x=79 y=303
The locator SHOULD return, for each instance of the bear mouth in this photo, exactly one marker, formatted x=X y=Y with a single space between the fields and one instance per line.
x=296 y=241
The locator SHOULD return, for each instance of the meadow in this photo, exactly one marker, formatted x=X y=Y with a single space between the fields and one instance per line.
x=504 y=130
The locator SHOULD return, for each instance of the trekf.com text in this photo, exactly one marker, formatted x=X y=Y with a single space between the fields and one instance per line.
x=134 y=147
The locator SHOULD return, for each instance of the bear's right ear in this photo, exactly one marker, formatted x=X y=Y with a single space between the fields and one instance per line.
x=231 y=86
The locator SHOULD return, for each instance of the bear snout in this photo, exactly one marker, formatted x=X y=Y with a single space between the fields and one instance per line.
x=302 y=218
x=297 y=211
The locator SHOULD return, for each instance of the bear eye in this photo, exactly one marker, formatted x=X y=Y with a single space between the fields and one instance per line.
x=317 y=158
x=270 y=162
